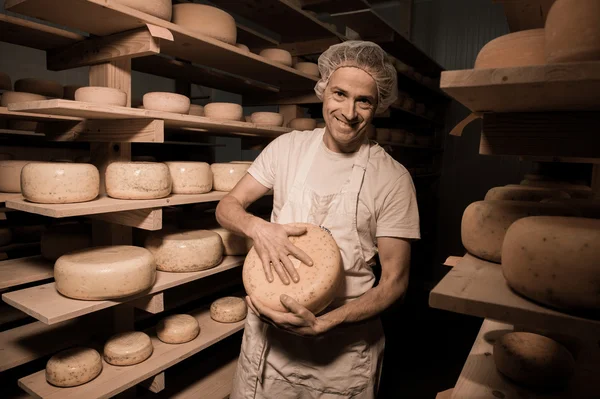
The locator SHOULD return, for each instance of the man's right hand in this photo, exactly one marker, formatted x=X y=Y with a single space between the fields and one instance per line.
x=273 y=246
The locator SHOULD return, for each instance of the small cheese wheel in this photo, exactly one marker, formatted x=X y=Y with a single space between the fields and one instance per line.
x=10 y=97
x=138 y=180
x=105 y=272
x=5 y=236
x=10 y=175
x=166 y=102
x=303 y=124
x=484 y=223
x=277 y=55
x=128 y=348
x=242 y=47
x=574 y=190
x=524 y=193
x=225 y=111
x=206 y=20
x=73 y=367
x=101 y=95
x=60 y=182
x=533 y=360
x=554 y=260
x=42 y=87
x=318 y=284
x=190 y=177
x=227 y=175
x=267 y=118
x=588 y=208
x=397 y=135
x=233 y=244
x=230 y=309
x=309 y=68
x=185 y=251
x=177 y=329
x=62 y=239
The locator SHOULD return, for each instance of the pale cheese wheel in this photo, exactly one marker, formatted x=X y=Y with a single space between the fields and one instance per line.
x=138 y=180
x=42 y=87
x=267 y=118
x=554 y=260
x=206 y=20
x=309 y=68
x=101 y=95
x=516 y=49
x=574 y=190
x=229 y=309
x=318 y=284
x=197 y=110
x=190 y=177
x=588 y=208
x=277 y=55
x=242 y=47
x=224 y=111
x=5 y=236
x=59 y=182
x=128 y=348
x=73 y=367
x=303 y=124
x=5 y=82
x=10 y=175
x=166 y=102
x=185 y=251
x=227 y=175
x=108 y=272
x=233 y=244
x=524 y=193
x=10 y=97
x=484 y=223
x=158 y=8
x=177 y=329
x=533 y=360
x=62 y=239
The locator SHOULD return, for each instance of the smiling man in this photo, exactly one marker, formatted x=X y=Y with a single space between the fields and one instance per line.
x=336 y=178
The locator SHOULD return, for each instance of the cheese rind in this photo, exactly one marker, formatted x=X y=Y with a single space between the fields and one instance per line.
x=128 y=348
x=524 y=193
x=177 y=329
x=233 y=244
x=190 y=177
x=73 y=367
x=105 y=272
x=62 y=239
x=138 y=180
x=227 y=175
x=10 y=175
x=229 y=309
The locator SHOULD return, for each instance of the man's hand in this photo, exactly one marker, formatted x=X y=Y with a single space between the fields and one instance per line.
x=273 y=247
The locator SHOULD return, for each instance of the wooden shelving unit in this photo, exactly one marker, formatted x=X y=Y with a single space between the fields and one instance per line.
x=26 y=270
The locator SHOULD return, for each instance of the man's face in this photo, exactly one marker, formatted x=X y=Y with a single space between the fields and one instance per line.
x=349 y=104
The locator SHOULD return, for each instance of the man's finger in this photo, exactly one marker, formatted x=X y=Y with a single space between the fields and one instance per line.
x=299 y=254
x=294 y=230
x=289 y=267
x=277 y=317
x=280 y=271
x=267 y=267
x=293 y=306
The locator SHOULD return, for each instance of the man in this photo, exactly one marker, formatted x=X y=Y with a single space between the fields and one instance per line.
x=336 y=178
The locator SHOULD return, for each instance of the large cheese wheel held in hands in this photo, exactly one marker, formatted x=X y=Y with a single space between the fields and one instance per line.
x=233 y=244
x=138 y=180
x=524 y=193
x=484 y=223
x=128 y=348
x=185 y=251
x=229 y=309
x=59 y=182
x=157 y=8
x=62 y=239
x=190 y=177
x=177 y=329
x=73 y=367
x=10 y=175
x=318 y=284
x=554 y=260
x=206 y=20
x=107 y=272
x=513 y=50
x=227 y=175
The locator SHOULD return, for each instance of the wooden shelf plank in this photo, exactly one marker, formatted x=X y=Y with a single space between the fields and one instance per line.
x=25 y=270
x=9 y=196
x=115 y=379
x=478 y=288
x=557 y=87
x=38 y=116
x=35 y=35
x=45 y=303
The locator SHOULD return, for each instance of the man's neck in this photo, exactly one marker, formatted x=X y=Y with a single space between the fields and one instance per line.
x=334 y=146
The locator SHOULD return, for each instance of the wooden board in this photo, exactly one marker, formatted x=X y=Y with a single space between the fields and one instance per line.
x=478 y=288
x=45 y=303
x=38 y=116
x=25 y=270
x=558 y=87
x=32 y=34
x=9 y=196
x=115 y=379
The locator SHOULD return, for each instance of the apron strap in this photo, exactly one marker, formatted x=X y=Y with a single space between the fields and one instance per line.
x=305 y=165
x=358 y=169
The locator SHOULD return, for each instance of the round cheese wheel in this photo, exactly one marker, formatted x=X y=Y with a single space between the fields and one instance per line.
x=5 y=81
x=10 y=97
x=166 y=102
x=230 y=309
x=190 y=177
x=277 y=55
x=177 y=329
x=158 y=8
x=225 y=111
x=138 y=180
x=309 y=68
x=533 y=360
x=524 y=193
x=73 y=367
x=42 y=87
x=267 y=118
x=318 y=284
x=242 y=47
x=521 y=48
x=484 y=223
x=128 y=348
x=69 y=91
x=197 y=110
x=233 y=244
x=206 y=20
x=10 y=175
x=105 y=272
x=554 y=260
x=587 y=208
x=574 y=190
x=5 y=236
x=62 y=239
x=303 y=124
x=227 y=175
x=59 y=182
x=101 y=95
x=185 y=251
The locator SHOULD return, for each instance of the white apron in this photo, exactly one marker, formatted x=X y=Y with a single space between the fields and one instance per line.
x=346 y=361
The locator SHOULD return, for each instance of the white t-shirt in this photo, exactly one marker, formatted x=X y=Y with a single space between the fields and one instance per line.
x=327 y=164
x=387 y=201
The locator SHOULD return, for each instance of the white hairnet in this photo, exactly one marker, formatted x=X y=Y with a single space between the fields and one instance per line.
x=367 y=56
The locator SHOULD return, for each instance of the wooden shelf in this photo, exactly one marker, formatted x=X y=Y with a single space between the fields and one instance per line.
x=9 y=196
x=478 y=288
x=45 y=303
x=24 y=270
x=115 y=379
x=35 y=35
x=38 y=116
x=558 y=87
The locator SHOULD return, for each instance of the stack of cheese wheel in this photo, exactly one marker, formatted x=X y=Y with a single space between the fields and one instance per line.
x=73 y=367
x=105 y=272
x=190 y=177
x=10 y=175
x=138 y=180
x=554 y=260
x=206 y=20
x=59 y=182
x=230 y=309
x=177 y=329
x=128 y=348
x=484 y=223
x=185 y=251
x=62 y=239
x=524 y=193
x=227 y=175
x=233 y=244
x=574 y=190
x=318 y=285
x=512 y=50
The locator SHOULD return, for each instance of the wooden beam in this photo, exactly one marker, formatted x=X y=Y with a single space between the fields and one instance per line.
x=99 y=130
x=152 y=304
x=145 y=219
x=154 y=384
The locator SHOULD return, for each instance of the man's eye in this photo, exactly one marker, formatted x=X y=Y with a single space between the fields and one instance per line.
x=338 y=93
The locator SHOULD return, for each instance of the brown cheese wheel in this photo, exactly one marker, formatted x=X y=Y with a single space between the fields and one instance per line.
x=128 y=348
x=229 y=309
x=177 y=329
x=73 y=367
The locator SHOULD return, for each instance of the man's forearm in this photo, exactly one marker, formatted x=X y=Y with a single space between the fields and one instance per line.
x=232 y=215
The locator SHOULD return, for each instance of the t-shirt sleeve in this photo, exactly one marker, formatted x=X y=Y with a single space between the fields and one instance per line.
x=264 y=166
x=399 y=213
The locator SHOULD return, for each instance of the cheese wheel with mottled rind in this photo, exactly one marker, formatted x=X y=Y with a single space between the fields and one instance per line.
x=10 y=175
x=128 y=348
x=138 y=180
x=177 y=329
x=227 y=175
x=484 y=223
x=62 y=239
x=73 y=367
x=105 y=272
x=318 y=285
x=59 y=182
x=185 y=251
x=233 y=244
x=524 y=193
x=229 y=309
x=554 y=260
x=190 y=177
x=533 y=360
